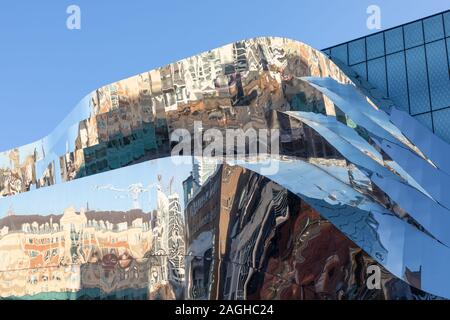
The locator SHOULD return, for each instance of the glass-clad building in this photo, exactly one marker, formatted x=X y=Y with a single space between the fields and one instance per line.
x=410 y=64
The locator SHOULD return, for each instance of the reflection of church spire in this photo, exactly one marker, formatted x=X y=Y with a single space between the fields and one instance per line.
x=10 y=212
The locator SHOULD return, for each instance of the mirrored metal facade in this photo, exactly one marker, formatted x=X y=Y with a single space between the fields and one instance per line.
x=103 y=208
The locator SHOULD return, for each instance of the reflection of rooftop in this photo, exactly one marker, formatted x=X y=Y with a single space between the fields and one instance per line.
x=14 y=223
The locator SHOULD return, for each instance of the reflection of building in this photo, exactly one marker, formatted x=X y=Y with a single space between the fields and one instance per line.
x=169 y=249
x=175 y=240
x=203 y=168
x=213 y=263
x=95 y=254
x=42 y=248
x=130 y=121
x=201 y=216
x=208 y=216
x=263 y=242
x=234 y=86
x=188 y=189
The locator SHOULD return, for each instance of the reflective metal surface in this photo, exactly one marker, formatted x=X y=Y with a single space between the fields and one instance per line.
x=98 y=209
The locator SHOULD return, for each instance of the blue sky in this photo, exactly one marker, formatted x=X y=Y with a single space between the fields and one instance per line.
x=45 y=69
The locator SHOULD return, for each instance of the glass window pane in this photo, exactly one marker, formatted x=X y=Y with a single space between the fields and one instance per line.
x=447 y=24
x=441 y=121
x=340 y=52
x=438 y=74
x=356 y=51
x=425 y=119
x=394 y=40
x=375 y=46
x=417 y=80
x=396 y=71
x=377 y=74
x=448 y=48
x=360 y=69
x=433 y=28
x=413 y=34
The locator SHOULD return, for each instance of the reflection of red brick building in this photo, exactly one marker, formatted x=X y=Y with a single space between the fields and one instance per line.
x=311 y=259
x=203 y=209
x=270 y=244
x=210 y=211
x=201 y=215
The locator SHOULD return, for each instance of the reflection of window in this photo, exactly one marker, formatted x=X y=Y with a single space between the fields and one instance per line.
x=227 y=285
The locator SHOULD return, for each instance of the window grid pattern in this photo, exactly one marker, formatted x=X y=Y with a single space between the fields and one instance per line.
x=410 y=64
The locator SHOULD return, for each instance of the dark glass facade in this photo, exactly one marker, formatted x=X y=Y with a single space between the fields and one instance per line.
x=410 y=64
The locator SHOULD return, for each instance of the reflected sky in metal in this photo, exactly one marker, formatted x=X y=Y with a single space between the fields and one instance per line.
x=437 y=150
x=350 y=101
x=427 y=212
